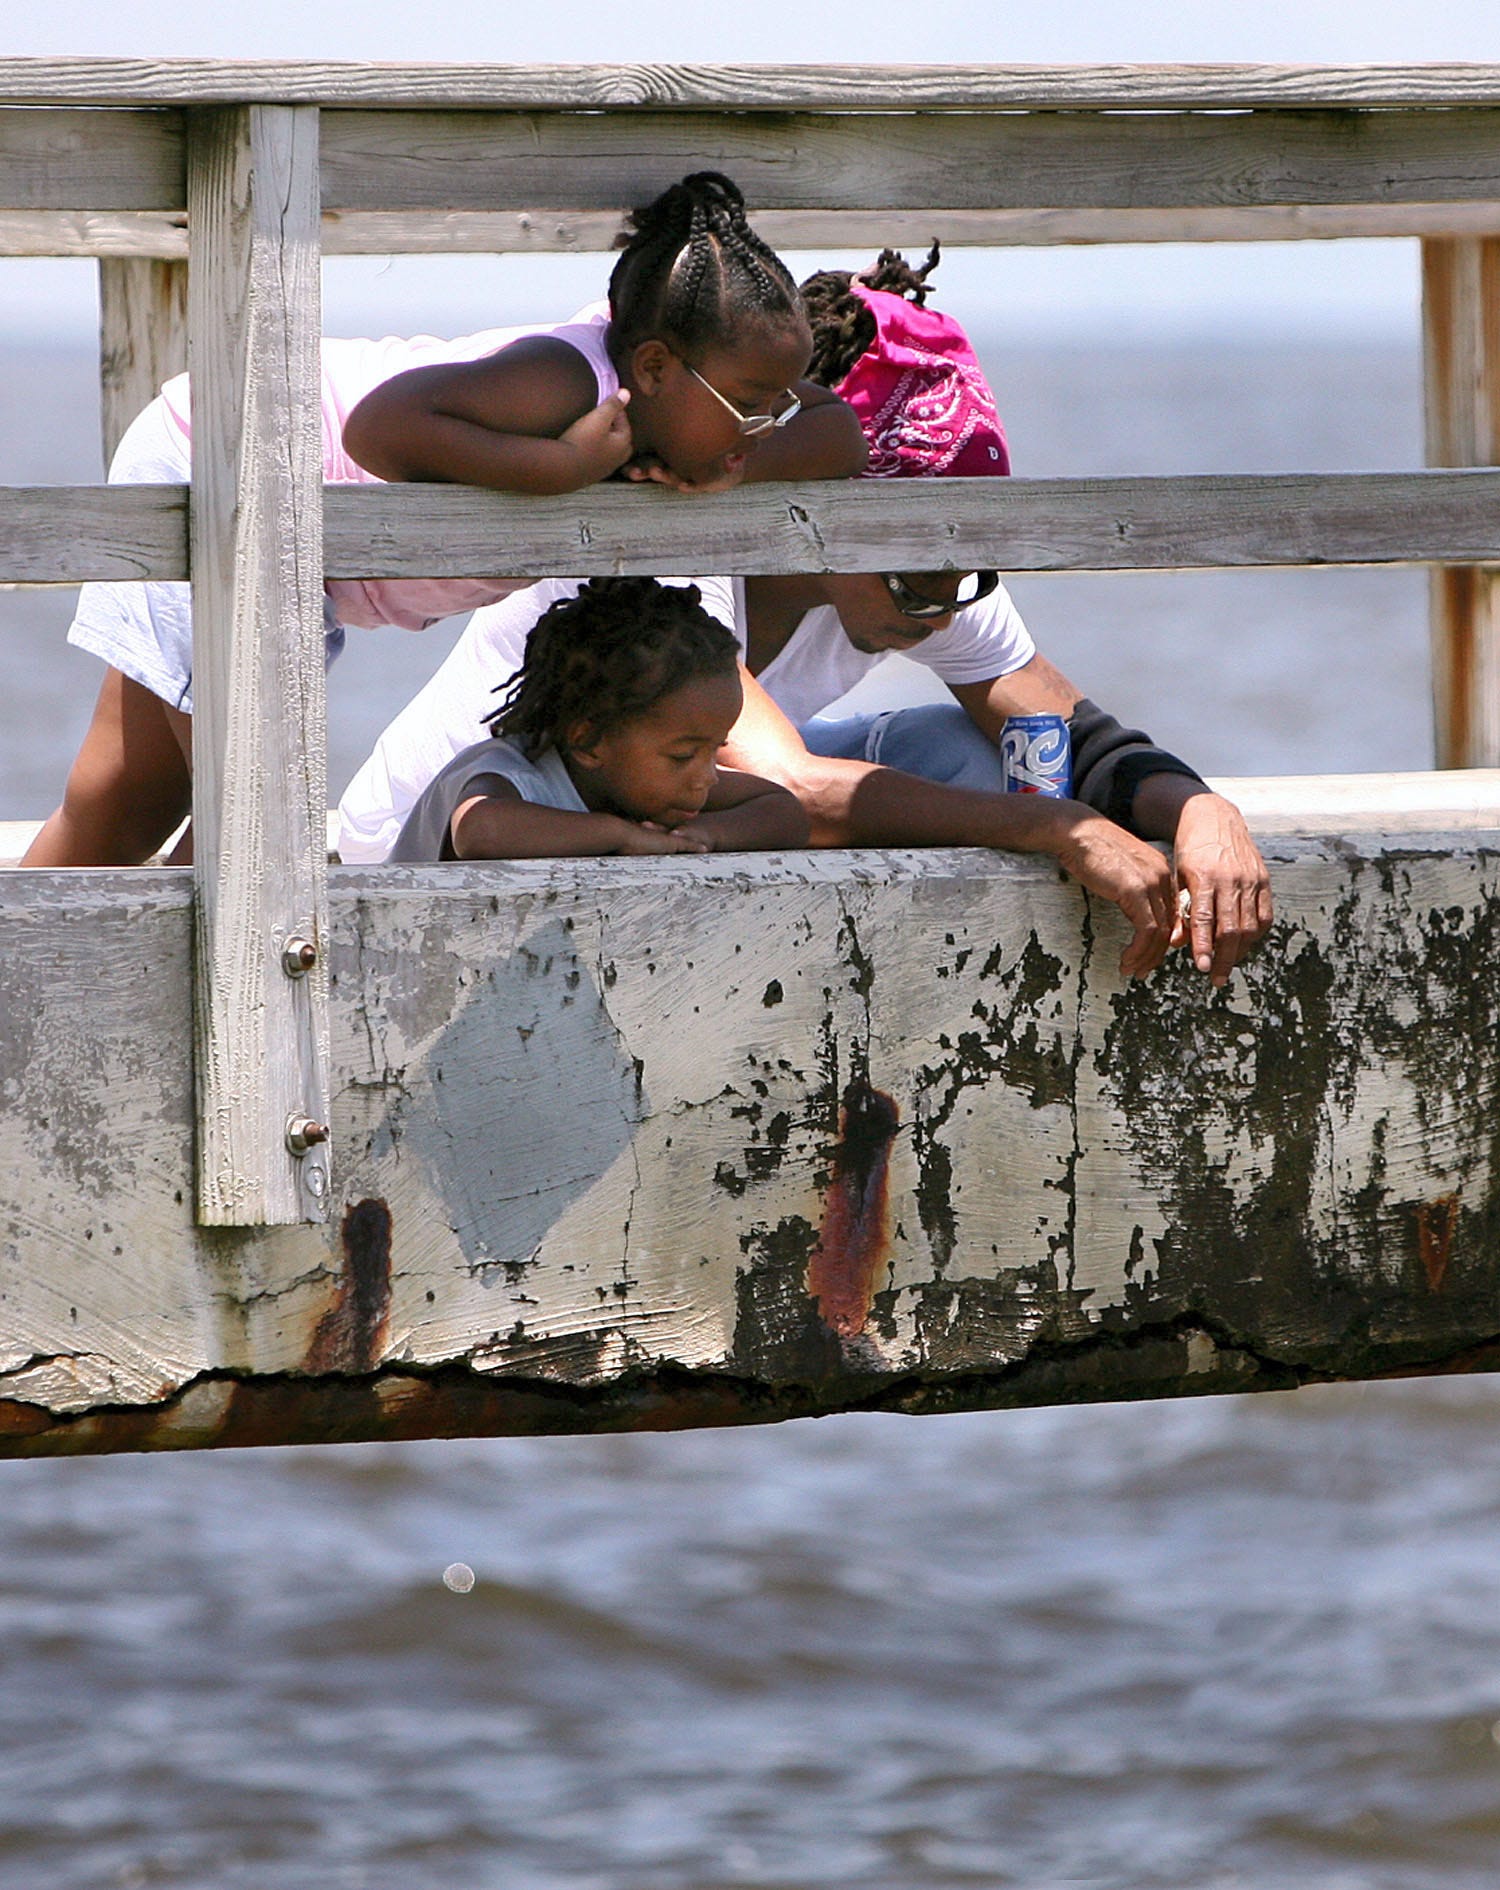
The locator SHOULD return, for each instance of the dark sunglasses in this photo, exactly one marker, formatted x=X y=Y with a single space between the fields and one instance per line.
x=973 y=586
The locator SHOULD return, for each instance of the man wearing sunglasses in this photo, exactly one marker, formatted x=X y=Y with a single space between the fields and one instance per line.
x=930 y=775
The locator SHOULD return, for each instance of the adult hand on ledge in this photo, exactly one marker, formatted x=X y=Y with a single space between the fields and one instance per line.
x=1229 y=888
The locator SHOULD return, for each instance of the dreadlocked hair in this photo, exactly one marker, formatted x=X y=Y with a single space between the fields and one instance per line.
x=609 y=654
x=691 y=270
x=843 y=326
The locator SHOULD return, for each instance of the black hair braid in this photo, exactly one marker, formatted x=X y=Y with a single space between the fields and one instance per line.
x=843 y=326
x=891 y=272
x=695 y=280
x=607 y=655
x=692 y=270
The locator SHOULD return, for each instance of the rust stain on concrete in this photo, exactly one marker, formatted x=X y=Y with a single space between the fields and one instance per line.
x=351 y=1334
x=1437 y=1222
x=22 y=1420
x=842 y=1268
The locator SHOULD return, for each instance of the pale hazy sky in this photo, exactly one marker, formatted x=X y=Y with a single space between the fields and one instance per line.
x=774 y=30
x=1369 y=286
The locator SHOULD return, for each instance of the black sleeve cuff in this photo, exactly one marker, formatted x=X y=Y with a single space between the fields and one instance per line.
x=1110 y=762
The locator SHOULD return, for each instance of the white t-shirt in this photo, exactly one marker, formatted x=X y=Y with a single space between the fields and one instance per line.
x=817 y=666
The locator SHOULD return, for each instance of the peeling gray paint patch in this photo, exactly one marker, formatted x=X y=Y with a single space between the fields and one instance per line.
x=527 y=1096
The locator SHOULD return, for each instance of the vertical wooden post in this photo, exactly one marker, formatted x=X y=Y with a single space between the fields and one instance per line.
x=259 y=742
x=142 y=336
x=1461 y=353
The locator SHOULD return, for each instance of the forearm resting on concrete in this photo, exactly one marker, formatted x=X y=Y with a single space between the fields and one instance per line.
x=860 y=804
x=489 y=827
x=748 y=815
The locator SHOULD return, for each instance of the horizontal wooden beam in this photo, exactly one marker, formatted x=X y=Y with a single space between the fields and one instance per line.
x=1015 y=524
x=546 y=164
x=155 y=235
x=162 y=235
x=488 y=232
x=646 y=1143
x=73 y=534
x=1203 y=87
x=910 y=161
x=66 y=534
x=92 y=160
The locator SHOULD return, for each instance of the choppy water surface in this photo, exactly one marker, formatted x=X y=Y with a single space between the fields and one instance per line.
x=1239 y=1642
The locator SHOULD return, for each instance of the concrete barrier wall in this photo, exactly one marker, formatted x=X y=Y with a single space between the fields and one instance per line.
x=650 y=1143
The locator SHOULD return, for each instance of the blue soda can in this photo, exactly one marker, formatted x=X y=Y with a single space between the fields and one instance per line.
x=1036 y=756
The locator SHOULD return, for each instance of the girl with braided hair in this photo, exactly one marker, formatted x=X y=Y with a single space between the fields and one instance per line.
x=706 y=346
x=606 y=742
x=691 y=377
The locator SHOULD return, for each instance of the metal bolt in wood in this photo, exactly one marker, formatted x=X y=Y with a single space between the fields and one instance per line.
x=303 y=1133
x=298 y=956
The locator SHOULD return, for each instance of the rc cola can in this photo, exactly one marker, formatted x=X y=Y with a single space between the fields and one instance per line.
x=1036 y=756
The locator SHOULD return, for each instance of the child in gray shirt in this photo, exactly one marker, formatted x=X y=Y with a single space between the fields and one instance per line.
x=606 y=743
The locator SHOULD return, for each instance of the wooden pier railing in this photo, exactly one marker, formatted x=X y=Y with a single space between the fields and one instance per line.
x=206 y=190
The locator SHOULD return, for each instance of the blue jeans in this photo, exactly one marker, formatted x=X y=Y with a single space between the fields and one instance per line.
x=935 y=740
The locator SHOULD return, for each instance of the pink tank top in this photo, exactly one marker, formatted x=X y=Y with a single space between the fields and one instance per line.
x=350 y=370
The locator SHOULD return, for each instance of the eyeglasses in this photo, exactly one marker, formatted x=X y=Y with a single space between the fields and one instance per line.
x=752 y=425
x=971 y=587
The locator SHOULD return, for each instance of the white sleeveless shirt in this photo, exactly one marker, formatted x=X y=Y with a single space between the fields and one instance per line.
x=350 y=370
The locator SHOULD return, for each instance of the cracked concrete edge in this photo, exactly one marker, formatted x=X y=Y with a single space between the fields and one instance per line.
x=228 y=1411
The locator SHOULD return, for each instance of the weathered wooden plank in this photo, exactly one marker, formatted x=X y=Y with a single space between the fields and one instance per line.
x=585 y=161
x=1461 y=354
x=1016 y=524
x=627 y=1143
x=1206 y=87
x=142 y=336
x=71 y=534
x=150 y=233
x=75 y=160
x=259 y=787
x=163 y=235
x=396 y=232
x=65 y=534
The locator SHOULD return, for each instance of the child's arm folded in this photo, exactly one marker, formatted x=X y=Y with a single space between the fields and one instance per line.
x=823 y=441
x=527 y=419
x=745 y=814
x=500 y=825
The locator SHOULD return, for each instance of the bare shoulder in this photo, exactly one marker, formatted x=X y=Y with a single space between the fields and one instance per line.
x=544 y=358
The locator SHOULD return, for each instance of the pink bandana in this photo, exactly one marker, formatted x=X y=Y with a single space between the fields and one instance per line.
x=923 y=402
